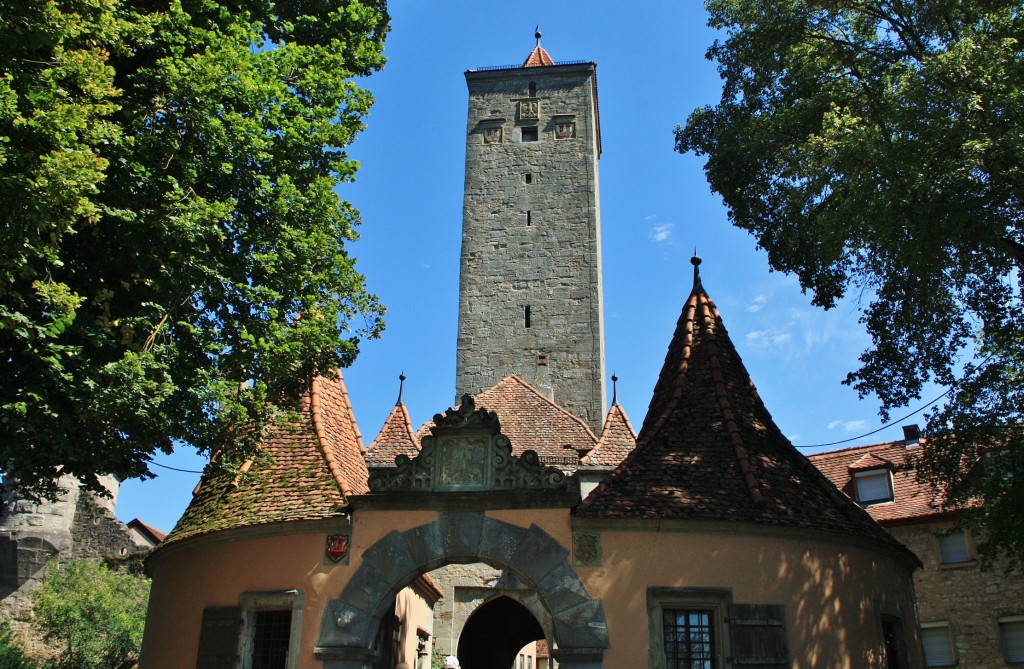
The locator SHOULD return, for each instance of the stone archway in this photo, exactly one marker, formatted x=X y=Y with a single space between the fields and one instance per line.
x=350 y=622
x=495 y=633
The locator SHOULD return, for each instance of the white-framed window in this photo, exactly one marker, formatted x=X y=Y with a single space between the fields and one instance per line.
x=937 y=640
x=1011 y=632
x=271 y=627
x=874 y=486
x=954 y=548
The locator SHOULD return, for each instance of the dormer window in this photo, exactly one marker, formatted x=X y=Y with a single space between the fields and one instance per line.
x=874 y=486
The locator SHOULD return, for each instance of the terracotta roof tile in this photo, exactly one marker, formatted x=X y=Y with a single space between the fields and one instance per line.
x=305 y=470
x=395 y=438
x=538 y=58
x=617 y=440
x=911 y=499
x=533 y=422
x=709 y=449
x=870 y=461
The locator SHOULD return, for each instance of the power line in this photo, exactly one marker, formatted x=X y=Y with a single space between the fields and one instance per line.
x=175 y=469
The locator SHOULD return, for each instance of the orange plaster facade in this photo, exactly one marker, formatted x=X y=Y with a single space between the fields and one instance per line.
x=834 y=591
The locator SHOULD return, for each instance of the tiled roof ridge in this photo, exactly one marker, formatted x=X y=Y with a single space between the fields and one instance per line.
x=711 y=317
x=399 y=416
x=525 y=384
x=539 y=57
x=647 y=429
x=844 y=452
x=318 y=428
x=617 y=409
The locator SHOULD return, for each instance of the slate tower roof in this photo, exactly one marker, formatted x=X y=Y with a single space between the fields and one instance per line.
x=709 y=450
x=306 y=470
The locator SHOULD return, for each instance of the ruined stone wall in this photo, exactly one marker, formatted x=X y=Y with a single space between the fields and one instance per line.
x=77 y=526
x=530 y=281
x=969 y=598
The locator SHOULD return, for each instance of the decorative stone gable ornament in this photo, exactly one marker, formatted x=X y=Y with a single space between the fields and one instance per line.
x=529 y=109
x=466 y=452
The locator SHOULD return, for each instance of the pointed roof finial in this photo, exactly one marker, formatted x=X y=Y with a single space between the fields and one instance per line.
x=615 y=390
x=401 y=387
x=695 y=261
x=536 y=33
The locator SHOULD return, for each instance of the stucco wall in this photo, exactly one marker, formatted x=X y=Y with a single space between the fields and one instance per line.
x=833 y=591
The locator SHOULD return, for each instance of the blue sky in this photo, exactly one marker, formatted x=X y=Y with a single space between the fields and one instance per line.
x=656 y=208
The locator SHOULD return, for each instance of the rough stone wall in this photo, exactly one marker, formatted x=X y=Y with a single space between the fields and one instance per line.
x=77 y=526
x=466 y=587
x=531 y=238
x=969 y=598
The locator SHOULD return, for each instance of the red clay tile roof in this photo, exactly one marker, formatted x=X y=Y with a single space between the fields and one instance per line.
x=538 y=58
x=870 y=461
x=395 y=438
x=911 y=499
x=533 y=422
x=305 y=470
x=617 y=440
x=709 y=449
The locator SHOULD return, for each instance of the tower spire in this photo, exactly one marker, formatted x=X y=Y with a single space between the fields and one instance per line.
x=401 y=388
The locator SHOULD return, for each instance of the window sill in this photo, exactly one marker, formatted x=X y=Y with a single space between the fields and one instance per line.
x=966 y=564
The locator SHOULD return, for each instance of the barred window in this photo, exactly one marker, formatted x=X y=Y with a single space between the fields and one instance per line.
x=689 y=638
x=271 y=637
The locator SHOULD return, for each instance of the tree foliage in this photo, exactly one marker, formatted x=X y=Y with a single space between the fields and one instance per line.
x=170 y=230
x=96 y=615
x=873 y=148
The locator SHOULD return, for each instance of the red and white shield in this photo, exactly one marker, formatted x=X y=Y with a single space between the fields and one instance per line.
x=337 y=546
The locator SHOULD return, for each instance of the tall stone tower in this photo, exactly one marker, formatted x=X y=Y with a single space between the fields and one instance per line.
x=530 y=283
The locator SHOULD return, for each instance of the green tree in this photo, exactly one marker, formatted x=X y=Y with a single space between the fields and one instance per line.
x=96 y=615
x=170 y=231
x=873 y=148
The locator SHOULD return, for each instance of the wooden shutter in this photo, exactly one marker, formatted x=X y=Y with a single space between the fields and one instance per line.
x=757 y=634
x=218 y=638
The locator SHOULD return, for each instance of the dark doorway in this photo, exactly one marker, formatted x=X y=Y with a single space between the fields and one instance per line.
x=494 y=634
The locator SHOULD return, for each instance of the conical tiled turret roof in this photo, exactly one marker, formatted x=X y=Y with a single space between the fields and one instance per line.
x=395 y=437
x=616 y=441
x=708 y=448
x=306 y=470
x=538 y=57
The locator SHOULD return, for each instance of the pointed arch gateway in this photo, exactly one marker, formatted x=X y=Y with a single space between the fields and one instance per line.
x=466 y=459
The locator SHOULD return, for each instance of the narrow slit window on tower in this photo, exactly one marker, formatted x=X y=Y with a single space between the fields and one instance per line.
x=529 y=218
x=526 y=314
x=529 y=178
x=530 y=133
x=533 y=89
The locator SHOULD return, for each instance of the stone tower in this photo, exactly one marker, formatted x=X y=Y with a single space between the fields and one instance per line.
x=530 y=282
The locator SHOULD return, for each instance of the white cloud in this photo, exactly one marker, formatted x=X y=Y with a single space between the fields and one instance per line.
x=768 y=337
x=758 y=304
x=848 y=425
x=660 y=232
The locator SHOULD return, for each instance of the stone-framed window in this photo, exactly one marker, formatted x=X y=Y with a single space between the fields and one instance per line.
x=874 y=486
x=1011 y=633
x=530 y=133
x=686 y=627
x=937 y=639
x=701 y=628
x=955 y=548
x=271 y=627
